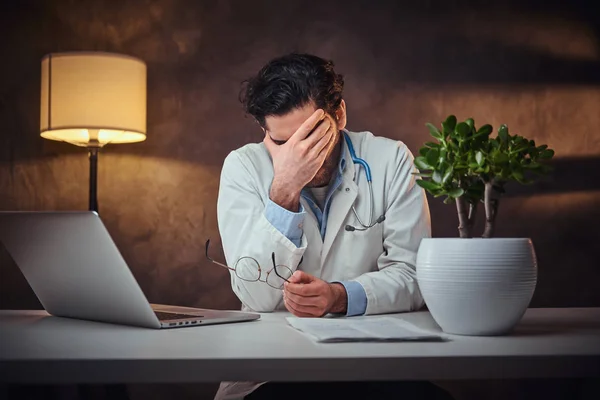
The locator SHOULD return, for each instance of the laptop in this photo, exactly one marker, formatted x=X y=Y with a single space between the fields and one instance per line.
x=75 y=269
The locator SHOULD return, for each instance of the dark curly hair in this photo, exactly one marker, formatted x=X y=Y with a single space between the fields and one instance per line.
x=291 y=82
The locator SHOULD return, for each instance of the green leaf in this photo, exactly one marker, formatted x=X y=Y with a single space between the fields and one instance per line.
x=519 y=140
x=501 y=158
x=520 y=148
x=421 y=163
x=444 y=165
x=434 y=131
x=485 y=130
x=479 y=158
x=423 y=151
x=456 y=192
x=432 y=157
x=448 y=174
x=463 y=129
x=432 y=145
x=427 y=185
x=443 y=153
x=518 y=176
x=547 y=154
x=532 y=165
x=470 y=122
x=437 y=177
x=449 y=124
x=476 y=192
x=503 y=133
x=422 y=174
x=542 y=147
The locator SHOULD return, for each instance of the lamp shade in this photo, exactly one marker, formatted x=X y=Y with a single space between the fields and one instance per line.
x=93 y=98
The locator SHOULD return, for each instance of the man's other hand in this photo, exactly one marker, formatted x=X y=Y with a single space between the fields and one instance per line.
x=307 y=296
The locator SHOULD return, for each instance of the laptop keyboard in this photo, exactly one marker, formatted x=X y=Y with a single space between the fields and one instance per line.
x=167 y=316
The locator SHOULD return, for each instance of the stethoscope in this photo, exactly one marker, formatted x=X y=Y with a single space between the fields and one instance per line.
x=362 y=163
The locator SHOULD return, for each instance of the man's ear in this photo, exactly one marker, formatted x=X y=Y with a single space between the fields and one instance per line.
x=340 y=115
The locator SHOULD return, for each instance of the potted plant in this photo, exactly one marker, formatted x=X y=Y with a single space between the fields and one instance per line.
x=477 y=286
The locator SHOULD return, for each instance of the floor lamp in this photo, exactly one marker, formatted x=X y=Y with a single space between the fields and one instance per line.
x=90 y=99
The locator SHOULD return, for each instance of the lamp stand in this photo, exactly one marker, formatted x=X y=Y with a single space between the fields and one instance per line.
x=93 y=155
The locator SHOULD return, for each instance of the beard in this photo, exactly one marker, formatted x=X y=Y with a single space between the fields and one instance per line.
x=327 y=170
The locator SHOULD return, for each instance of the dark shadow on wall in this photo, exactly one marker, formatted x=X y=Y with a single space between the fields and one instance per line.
x=569 y=174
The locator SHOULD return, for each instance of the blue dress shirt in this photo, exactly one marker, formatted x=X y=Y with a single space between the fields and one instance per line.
x=290 y=225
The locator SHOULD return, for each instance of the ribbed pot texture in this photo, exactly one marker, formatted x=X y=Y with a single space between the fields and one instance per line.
x=479 y=287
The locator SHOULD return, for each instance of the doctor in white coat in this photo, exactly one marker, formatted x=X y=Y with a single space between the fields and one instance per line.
x=301 y=198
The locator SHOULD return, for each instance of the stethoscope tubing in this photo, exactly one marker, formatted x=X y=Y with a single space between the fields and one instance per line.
x=365 y=165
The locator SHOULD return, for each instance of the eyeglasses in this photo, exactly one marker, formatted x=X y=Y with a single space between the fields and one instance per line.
x=249 y=270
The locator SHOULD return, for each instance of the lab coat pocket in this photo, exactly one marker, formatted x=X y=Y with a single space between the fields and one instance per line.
x=363 y=248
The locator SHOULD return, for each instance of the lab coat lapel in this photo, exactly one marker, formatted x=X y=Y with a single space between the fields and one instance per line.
x=341 y=204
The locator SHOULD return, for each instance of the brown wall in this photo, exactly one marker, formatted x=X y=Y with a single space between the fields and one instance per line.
x=535 y=68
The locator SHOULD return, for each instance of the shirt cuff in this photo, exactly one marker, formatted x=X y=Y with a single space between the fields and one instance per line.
x=290 y=224
x=357 y=298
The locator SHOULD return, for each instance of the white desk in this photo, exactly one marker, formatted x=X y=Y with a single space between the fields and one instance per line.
x=37 y=348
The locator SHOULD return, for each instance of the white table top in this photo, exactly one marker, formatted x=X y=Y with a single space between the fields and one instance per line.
x=38 y=348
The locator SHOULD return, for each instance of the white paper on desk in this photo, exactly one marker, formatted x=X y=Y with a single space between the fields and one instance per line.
x=385 y=329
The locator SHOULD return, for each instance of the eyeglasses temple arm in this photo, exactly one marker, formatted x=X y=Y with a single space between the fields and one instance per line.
x=221 y=265
x=213 y=261
x=275 y=267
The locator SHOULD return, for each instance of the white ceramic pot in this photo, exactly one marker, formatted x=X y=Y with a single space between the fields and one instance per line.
x=477 y=286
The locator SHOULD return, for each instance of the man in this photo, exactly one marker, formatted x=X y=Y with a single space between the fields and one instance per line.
x=301 y=198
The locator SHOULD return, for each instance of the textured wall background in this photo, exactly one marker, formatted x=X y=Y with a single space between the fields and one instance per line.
x=534 y=65
x=535 y=68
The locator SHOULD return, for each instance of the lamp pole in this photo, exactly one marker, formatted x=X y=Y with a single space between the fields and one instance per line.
x=93 y=149
x=93 y=155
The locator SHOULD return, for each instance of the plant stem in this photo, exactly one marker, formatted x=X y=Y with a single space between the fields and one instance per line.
x=491 y=208
x=463 y=222
x=472 y=215
x=496 y=203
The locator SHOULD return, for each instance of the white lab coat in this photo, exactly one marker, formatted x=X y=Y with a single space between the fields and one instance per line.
x=382 y=259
